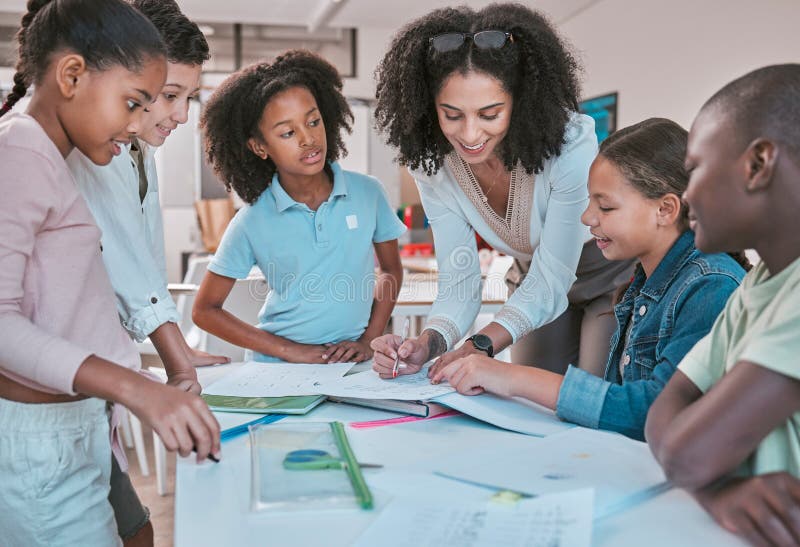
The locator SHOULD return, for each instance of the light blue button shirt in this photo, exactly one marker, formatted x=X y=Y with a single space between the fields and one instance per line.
x=319 y=265
x=560 y=196
x=133 y=237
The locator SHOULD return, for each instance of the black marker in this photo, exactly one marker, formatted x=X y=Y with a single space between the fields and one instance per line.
x=210 y=456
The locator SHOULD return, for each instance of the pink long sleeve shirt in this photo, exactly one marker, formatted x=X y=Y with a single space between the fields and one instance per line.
x=57 y=306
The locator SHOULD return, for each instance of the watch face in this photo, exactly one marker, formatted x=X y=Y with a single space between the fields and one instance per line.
x=481 y=342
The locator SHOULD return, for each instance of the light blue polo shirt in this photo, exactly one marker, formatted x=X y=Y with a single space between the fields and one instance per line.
x=319 y=265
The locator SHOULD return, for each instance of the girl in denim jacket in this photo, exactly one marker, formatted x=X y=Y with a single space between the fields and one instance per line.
x=676 y=293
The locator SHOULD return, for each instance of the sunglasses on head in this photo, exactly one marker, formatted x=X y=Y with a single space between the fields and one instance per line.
x=484 y=39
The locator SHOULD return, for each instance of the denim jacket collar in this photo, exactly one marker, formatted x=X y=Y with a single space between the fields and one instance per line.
x=655 y=286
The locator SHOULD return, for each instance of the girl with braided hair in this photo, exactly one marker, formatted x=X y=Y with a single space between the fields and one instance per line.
x=123 y=197
x=273 y=133
x=482 y=108
x=95 y=65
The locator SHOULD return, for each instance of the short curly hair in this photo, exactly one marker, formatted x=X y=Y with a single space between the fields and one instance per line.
x=536 y=68
x=233 y=112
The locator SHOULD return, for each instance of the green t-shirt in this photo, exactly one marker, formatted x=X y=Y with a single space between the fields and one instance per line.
x=760 y=324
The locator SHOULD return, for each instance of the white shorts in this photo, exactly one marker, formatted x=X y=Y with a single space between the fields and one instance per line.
x=55 y=466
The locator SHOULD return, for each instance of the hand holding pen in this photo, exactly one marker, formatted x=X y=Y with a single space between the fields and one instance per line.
x=406 y=330
x=409 y=354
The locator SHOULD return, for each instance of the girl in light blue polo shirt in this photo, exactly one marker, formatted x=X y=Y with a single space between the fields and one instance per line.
x=273 y=135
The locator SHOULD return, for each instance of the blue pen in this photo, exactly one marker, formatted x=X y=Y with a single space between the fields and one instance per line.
x=232 y=432
x=491 y=487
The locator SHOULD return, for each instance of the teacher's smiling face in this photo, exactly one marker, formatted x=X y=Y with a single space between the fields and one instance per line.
x=474 y=114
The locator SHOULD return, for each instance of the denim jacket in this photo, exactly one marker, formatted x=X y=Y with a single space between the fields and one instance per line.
x=671 y=311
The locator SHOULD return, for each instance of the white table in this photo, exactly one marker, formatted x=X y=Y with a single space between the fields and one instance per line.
x=212 y=500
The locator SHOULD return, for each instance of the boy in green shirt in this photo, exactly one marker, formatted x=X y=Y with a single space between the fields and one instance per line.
x=727 y=425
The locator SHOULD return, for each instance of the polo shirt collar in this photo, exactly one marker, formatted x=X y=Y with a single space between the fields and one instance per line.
x=339 y=184
x=283 y=200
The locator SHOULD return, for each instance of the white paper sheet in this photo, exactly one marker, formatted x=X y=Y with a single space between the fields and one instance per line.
x=577 y=458
x=558 y=519
x=518 y=415
x=277 y=379
x=672 y=519
x=368 y=385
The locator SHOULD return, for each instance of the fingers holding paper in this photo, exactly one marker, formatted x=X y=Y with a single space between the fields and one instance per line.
x=474 y=374
x=413 y=355
x=451 y=356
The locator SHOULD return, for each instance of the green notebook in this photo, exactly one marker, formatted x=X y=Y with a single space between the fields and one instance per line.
x=264 y=405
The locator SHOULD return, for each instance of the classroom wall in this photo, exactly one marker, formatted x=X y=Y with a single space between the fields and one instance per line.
x=371 y=45
x=666 y=58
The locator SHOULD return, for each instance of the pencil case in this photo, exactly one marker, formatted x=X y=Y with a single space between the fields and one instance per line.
x=307 y=466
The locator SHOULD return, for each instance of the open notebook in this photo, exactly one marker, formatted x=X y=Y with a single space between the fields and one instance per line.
x=246 y=403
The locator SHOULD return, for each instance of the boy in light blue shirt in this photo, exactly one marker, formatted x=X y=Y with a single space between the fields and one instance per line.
x=312 y=228
x=123 y=198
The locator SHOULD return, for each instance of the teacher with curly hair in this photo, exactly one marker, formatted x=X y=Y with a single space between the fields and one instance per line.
x=482 y=108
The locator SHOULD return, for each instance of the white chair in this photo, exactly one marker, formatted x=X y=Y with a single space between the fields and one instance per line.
x=196 y=270
x=131 y=426
x=133 y=437
x=160 y=456
x=244 y=301
x=195 y=338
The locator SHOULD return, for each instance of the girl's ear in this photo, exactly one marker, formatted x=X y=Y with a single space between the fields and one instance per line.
x=71 y=71
x=669 y=210
x=257 y=147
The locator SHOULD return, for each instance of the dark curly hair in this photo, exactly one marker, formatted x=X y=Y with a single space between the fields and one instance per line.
x=185 y=42
x=104 y=32
x=233 y=112
x=536 y=68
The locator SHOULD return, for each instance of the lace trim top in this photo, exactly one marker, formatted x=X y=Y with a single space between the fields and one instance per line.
x=515 y=228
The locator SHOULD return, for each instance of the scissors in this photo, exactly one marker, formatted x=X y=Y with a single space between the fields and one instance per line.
x=309 y=459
